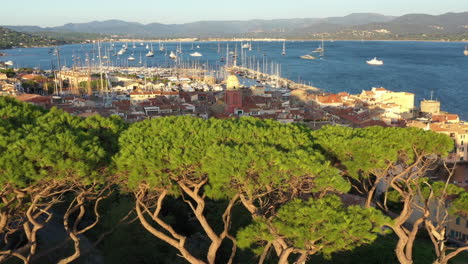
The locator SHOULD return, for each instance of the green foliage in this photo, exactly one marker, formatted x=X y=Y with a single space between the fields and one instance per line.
x=9 y=72
x=256 y=154
x=460 y=205
x=254 y=235
x=249 y=152
x=440 y=189
x=370 y=150
x=323 y=224
x=95 y=84
x=10 y=38
x=158 y=151
x=30 y=85
x=54 y=145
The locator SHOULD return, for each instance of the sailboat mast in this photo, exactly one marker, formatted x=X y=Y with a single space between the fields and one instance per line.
x=100 y=65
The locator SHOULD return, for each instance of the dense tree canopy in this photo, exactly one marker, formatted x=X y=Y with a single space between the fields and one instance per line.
x=46 y=155
x=316 y=226
x=189 y=181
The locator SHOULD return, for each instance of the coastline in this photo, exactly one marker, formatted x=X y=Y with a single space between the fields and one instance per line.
x=189 y=40
x=270 y=40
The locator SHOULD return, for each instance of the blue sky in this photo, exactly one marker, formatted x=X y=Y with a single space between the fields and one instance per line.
x=59 y=12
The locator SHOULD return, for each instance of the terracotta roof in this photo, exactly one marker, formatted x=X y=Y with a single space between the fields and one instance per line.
x=450 y=128
x=26 y=97
x=30 y=76
x=154 y=93
x=444 y=118
x=329 y=99
x=381 y=89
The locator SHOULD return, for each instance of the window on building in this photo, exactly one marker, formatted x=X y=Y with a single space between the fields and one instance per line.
x=457 y=221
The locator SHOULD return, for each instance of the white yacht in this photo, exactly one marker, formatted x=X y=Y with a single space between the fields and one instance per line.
x=121 y=52
x=318 y=50
x=375 y=62
x=465 y=52
x=196 y=54
x=172 y=55
x=150 y=52
x=246 y=46
x=9 y=63
x=308 y=57
x=131 y=58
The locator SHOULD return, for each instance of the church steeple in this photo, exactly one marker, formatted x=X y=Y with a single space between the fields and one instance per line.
x=233 y=95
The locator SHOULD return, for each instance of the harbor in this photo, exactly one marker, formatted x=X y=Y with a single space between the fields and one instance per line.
x=409 y=66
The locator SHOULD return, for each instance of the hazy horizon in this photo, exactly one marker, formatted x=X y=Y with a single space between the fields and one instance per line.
x=50 y=13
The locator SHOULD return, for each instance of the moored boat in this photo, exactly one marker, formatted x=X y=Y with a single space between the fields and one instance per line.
x=375 y=62
x=196 y=54
x=172 y=55
x=308 y=57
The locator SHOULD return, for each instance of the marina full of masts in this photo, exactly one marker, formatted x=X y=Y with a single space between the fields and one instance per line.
x=234 y=57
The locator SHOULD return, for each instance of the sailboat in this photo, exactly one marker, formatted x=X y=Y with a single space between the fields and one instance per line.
x=147 y=46
x=320 y=49
x=131 y=58
x=150 y=52
x=179 y=48
x=465 y=52
x=140 y=61
x=284 y=48
x=172 y=55
x=105 y=55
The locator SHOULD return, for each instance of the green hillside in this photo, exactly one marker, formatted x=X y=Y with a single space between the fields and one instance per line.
x=10 y=39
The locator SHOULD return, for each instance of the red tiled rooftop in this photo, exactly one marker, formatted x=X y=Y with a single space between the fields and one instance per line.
x=329 y=99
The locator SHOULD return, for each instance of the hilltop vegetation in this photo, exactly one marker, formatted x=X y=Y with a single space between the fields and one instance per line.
x=212 y=191
x=10 y=38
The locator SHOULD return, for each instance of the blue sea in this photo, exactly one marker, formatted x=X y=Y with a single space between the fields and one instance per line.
x=410 y=66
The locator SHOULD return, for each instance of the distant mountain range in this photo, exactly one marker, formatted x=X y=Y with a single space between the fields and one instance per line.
x=353 y=26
